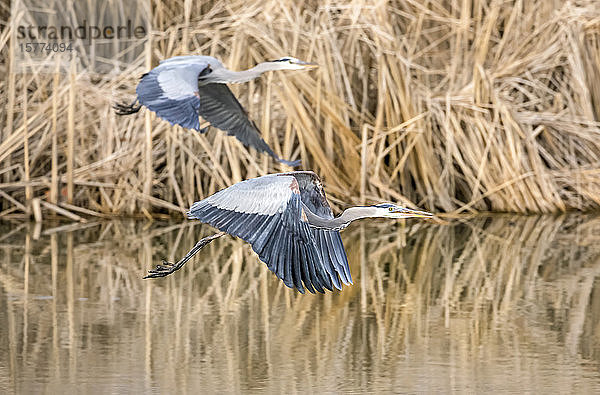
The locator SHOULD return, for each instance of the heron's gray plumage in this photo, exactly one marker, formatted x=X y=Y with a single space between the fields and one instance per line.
x=288 y=222
x=219 y=106
x=267 y=213
x=182 y=88
x=170 y=89
x=329 y=242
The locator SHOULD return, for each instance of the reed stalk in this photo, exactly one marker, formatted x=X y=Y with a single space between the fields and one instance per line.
x=469 y=106
x=70 y=154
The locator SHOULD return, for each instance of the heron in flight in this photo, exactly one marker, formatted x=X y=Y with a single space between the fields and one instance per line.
x=288 y=222
x=182 y=87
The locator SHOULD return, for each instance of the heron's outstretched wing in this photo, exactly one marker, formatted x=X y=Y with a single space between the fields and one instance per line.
x=219 y=106
x=267 y=213
x=171 y=90
x=329 y=242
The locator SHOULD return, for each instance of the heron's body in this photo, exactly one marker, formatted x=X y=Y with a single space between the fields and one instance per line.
x=182 y=88
x=288 y=222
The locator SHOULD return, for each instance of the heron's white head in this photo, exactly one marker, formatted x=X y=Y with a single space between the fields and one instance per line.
x=290 y=63
x=389 y=210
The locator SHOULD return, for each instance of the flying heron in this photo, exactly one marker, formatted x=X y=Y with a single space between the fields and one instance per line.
x=182 y=87
x=288 y=222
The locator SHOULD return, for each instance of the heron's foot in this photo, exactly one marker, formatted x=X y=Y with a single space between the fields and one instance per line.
x=126 y=109
x=164 y=269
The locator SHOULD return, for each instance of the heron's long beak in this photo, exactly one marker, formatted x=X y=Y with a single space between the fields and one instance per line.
x=308 y=65
x=409 y=213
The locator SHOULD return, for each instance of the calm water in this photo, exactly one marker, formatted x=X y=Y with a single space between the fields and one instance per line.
x=487 y=304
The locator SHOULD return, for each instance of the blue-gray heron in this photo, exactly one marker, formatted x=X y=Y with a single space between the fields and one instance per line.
x=288 y=222
x=182 y=87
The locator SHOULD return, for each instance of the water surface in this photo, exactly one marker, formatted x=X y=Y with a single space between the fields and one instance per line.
x=486 y=304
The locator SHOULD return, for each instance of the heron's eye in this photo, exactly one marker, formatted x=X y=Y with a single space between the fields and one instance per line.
x=391 y=209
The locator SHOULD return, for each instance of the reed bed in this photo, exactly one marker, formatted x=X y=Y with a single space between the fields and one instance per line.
x=486 y=303
x=454 y=106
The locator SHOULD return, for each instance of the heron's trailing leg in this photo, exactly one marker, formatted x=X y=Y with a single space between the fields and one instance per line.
x=167 y=268
x=126 y=109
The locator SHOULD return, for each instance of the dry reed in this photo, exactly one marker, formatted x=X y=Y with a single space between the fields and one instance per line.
x=449 y=105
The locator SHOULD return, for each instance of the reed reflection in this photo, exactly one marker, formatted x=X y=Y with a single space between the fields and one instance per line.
x=486 y=303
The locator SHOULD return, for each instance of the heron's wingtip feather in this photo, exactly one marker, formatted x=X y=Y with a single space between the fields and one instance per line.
x=291 y=163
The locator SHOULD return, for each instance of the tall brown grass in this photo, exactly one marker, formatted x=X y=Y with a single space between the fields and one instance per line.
x=449 y=105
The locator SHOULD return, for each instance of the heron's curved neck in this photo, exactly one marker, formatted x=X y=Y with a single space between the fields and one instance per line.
x=232 y=77
x=340 y=222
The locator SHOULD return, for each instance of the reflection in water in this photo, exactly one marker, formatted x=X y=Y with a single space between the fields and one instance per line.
x=489 y=303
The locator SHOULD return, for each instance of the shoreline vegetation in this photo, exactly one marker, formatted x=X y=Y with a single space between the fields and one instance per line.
x=449 y=106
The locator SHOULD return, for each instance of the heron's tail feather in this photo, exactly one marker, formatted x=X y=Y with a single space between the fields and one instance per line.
x=127 y=109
